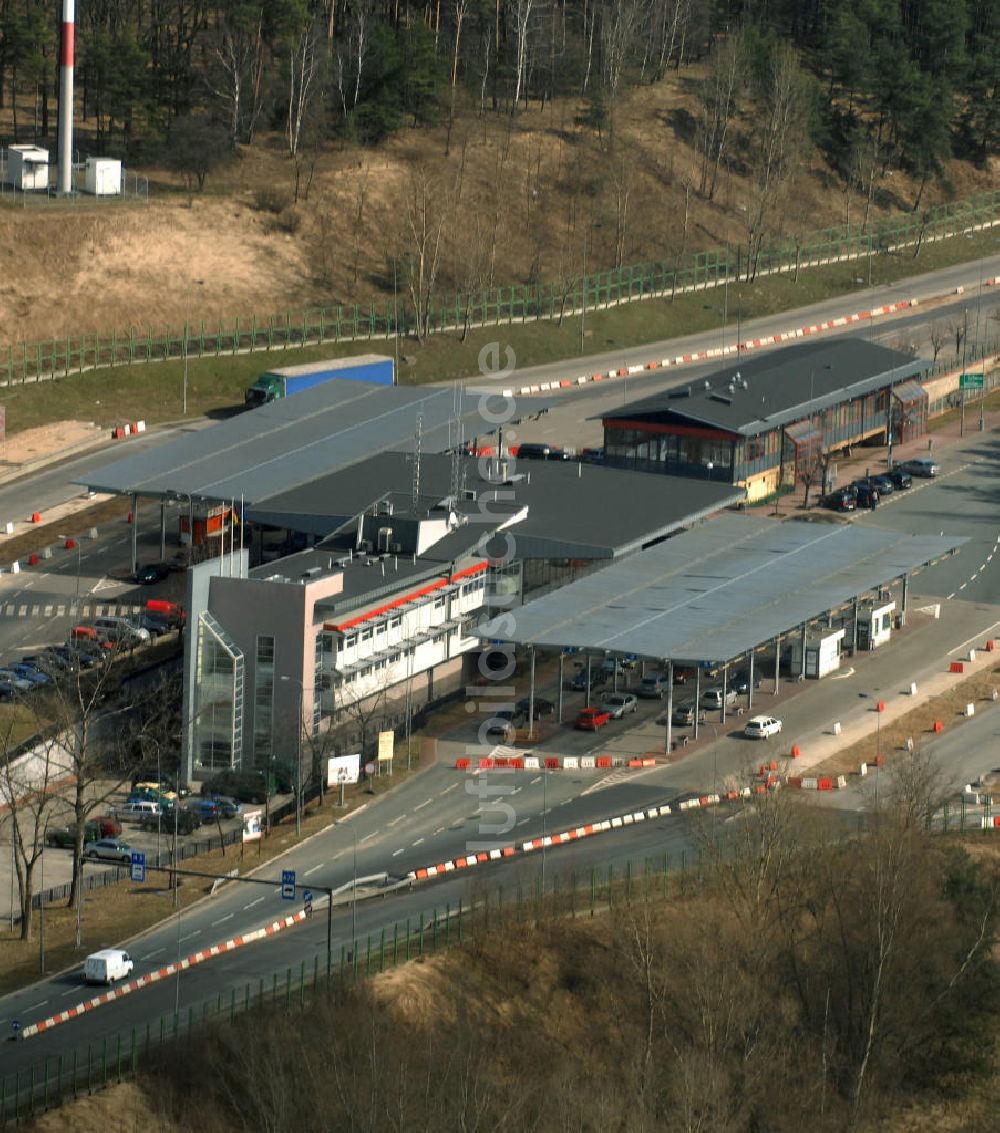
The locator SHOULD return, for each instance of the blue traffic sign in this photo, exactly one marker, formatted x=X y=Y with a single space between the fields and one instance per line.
x=288 y=884
x=307 y=899
x=138 y=872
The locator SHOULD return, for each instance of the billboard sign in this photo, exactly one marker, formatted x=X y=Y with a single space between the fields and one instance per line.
x=253 y=825
x=343 y=769
x=386 y=746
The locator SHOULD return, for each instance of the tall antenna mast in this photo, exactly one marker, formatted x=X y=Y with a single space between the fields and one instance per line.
x=416 y=460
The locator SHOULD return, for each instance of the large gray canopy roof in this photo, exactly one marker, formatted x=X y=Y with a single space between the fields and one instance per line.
x=279 y=446
x=713 y=593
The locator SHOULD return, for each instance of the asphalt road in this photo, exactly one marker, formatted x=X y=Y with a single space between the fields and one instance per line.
x=887 y=329
x=328 y=860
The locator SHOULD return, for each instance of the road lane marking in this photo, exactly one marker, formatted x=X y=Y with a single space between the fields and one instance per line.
x=395 y=820
x=418 y=841
x=396 y=853
x=537 y=779
x=70 y=991
x=426 y=802
x=255 y=901
x=150 y=955
x=36 y=1005
x=523 y=821
x=367 y=838
x=453 y=787
x=222 y=920
x=189 y=936
x=440 y=830
x=312 y=869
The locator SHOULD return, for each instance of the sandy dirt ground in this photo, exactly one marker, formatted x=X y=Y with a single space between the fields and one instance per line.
x=516 y=197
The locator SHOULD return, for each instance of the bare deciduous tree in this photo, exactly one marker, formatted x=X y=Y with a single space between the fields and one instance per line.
x=776 y=147
x=29 y=781
x=718 y=106
x=303 y=68
x=426 y=214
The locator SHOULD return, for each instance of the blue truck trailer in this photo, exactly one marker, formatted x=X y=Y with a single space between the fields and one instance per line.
x=275 y=384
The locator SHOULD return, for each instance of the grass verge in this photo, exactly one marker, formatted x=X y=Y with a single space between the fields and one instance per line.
x=153 y=392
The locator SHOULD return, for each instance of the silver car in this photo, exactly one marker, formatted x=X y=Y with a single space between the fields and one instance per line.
x=618 y=704
x=109 y=850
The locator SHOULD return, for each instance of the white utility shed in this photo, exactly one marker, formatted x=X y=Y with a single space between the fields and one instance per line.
x=103 y=176
x=28 y=167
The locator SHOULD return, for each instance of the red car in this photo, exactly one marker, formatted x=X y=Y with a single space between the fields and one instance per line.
x=592 y=719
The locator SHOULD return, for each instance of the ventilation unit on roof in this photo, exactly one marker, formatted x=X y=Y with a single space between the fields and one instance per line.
x=708 y=384
x=384 y=535
x=685 y=392
x=468 y=493
x=383 y=507
x=365 y=547
x=396 y=548
x=312 y=572
x=721 y=397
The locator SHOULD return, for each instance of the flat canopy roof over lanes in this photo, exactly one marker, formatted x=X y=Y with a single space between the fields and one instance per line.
x=574 y=511
x=720 y=590
x=294 y=440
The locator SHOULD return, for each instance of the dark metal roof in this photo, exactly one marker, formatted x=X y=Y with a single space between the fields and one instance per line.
x=713 y=593
x=755 y=395
x=574 y=510
x=293 y=441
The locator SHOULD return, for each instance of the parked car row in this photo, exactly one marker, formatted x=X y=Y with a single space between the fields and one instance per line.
x=868 y=490
x=87 y=647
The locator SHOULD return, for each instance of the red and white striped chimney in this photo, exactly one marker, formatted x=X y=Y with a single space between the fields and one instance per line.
x=65 y=182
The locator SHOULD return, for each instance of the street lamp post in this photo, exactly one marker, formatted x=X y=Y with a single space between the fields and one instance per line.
x=187 y=326
x=545 y=807
x=354 y=901
x=79 y=560
x=298 y=755
x=41 y=904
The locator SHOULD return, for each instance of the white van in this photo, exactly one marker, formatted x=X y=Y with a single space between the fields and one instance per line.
x=106 y=966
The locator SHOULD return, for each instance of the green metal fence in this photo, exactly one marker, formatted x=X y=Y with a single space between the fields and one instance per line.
x=52 y=1080
x=502 y=306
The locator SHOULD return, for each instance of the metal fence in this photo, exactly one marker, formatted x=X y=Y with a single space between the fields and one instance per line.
x=518 y=303
x=47 y=1083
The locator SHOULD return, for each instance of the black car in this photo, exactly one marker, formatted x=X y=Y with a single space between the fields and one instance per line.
x=245 y=786
x=901 y=479
x=156 y=625
x=187 y=821
x=151 y=574
x=541 y=707
x=532 y=451
x=597 y=678
x=740 y=681
x=866 y=495
x=842 y=500
x=882 y=484
x=501 y=723
x=52 y=661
